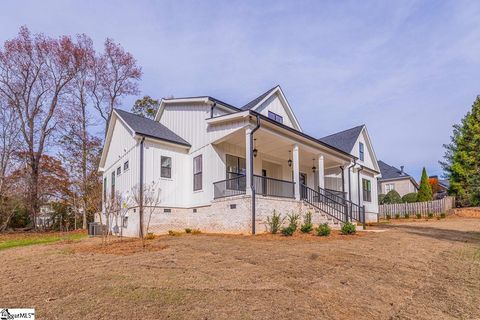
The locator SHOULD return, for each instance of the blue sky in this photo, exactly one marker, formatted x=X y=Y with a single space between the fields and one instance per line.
x=409 y=70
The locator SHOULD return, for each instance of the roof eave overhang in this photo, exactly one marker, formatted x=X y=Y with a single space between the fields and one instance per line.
x=285 y=129
x=139 y=136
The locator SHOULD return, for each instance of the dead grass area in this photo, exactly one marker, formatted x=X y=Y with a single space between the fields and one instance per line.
x=120 y=247
x=418 y=270
x=467 y=212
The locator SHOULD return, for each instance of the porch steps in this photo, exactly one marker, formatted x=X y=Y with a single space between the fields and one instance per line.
x=325 y=218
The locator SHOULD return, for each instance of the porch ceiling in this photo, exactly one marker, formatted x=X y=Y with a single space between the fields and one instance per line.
x=273 y=146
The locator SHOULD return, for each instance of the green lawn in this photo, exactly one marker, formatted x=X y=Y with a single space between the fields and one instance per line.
x=38 y=239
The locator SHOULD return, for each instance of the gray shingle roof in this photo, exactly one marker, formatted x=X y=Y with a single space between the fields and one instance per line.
x=390 y=172
x=150 y=128
x=254 y=102
x=343 y=140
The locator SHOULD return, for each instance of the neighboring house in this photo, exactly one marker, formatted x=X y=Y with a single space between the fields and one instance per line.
x=44 y=218
x=221 y=168
x=439 y=187
x=395 y=179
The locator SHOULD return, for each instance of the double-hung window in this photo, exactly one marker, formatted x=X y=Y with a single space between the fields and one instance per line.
x=197 y=173
x=276 y=117
x=361 y=151
x=113 y=185
x=389 y=187
x=166 y=164
x=367 y=190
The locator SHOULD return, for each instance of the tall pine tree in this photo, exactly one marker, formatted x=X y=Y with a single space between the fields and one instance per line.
x=462 y=158
x=425 y=190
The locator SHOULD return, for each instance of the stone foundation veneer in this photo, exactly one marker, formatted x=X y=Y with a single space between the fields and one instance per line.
x=220 y=217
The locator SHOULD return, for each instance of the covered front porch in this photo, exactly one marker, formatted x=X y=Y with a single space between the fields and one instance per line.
x=282 y=165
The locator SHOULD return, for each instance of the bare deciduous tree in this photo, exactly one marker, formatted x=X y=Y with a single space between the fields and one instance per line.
x=151 y=202
x=34 y=74
x=115 y=74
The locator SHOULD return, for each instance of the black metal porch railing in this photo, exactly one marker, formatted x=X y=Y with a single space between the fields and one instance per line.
x=341 y=194
x=273 y=187
x=335 y=206
x=229 y=187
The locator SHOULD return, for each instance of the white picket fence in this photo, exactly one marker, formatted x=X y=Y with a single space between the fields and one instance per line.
x=424 y=208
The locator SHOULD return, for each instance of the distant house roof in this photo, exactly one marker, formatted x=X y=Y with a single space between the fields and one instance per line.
x=392 y=173
x=255 y=101
x=150 y=128
x=343 y=140
x=444 y=183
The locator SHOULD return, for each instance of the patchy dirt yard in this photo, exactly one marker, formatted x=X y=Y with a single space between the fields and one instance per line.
x=414 y=270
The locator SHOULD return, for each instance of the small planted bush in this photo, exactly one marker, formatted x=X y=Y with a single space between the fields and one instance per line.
x=150 y=236
x=307 y=226
x=389 y=217
x=419 y=216
x=196 y=231
x=407 y=215
x=173 y=233
x=323 y=230
x=274 y=222
x=293 y=219
x=442 y=215
x=348 y=228
x=397 y=216
x=288 y=231
x=188 y=230
x=430 y=215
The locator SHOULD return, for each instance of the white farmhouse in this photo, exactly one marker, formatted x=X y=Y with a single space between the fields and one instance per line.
x=222 y=168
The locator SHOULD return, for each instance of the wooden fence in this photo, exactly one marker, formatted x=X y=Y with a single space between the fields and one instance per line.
x=424 y=208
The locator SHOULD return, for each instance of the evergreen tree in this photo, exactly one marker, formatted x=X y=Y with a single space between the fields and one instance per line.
x=425 y=190
x=462 y=158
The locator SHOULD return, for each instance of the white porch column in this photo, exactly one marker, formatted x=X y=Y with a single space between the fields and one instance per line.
x=321 y=172
x=248 y=167
x=296 y=172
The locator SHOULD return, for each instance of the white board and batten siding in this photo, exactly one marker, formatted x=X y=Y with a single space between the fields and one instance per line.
x=274 y=105
x=124 y=148
x=189 y=121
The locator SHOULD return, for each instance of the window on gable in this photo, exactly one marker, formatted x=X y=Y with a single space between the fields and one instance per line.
x=276 y=117
x=119 y=171
x=166 y=164
x=125 y=166
x=367 y=190
x=361 y=151
x=197 y=173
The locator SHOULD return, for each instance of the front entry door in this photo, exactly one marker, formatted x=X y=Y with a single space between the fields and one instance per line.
x=264 y=182
x=303 y=181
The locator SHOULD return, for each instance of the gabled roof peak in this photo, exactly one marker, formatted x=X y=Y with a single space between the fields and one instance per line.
x=255 y=101
x=344 y=140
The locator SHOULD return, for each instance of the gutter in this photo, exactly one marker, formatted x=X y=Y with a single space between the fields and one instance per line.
x=252 y=184
x=211 y=109
x=140 y=233
x=358 y=182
